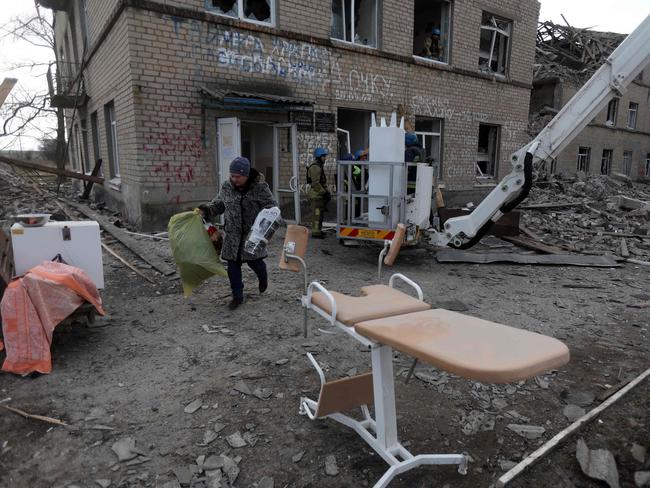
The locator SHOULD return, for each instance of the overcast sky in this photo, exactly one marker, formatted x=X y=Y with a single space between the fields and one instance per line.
x=606 y=15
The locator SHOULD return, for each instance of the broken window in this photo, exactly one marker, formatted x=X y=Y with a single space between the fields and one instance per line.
x=256 y=11
x=431 y=29
x=486 y=157
x=355 y=21
x=111 y=138
x=627 y=163
x=647 y=165
x=612 y=112
x=631 y=115
x=495 y=44
x=584 y=155
x=94 y=132
x=606 y=162
x=429 y=132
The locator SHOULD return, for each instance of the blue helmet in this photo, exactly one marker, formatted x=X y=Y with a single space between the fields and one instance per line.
x=410 y=139
x=319 y=152
x=435 y=31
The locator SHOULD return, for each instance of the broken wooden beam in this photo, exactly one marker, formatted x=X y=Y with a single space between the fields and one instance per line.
x=533 y=244
x=50 y=169
x=454 y=256
x=126 y=263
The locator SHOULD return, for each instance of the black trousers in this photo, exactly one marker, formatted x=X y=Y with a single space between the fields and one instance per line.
x=235 y=276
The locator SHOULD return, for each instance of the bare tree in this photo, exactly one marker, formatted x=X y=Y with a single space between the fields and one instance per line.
x=29 y=111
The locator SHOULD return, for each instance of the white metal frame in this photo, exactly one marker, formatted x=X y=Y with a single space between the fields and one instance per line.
x=381 y=432
x=352 y=28
x=632 y=115
x=240 y=13
x=584 y=158
x=293 y=181
x=627 y=162
x=496 y=31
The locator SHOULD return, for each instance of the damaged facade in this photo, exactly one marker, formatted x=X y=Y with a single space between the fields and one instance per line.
x=168 y=93
x=617 y=140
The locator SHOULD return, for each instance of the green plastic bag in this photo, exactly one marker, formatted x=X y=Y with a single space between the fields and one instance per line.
x=195 y=256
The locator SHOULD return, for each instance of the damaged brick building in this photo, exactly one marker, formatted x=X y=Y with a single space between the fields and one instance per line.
x=167 y=93
x=617 y=140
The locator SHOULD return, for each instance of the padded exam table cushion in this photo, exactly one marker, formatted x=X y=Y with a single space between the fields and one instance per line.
x=377 y=301
x=467 y=346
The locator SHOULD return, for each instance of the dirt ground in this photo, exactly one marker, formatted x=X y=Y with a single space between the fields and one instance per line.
x=133 y=372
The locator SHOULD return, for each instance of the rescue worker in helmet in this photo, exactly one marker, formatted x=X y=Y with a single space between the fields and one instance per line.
x=318 y=194
x=414 y=153
x=433 y=46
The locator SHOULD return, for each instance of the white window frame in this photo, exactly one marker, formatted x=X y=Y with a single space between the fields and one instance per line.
x=606 y=160
x=627 y=162
x=422 y=138
x=632 y=115
x=240 y=13
x=352 y=28
x=113 y=142
x=496 y=31
x=489 y=177
x=584 y=158
x=446 y=31
x=612 y=112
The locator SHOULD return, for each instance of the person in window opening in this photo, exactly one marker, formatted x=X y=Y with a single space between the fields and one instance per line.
x=433 y=45
x=318 y=194
x=226 y=7
x=258 y=10
x=414 y=153
x=241 y=198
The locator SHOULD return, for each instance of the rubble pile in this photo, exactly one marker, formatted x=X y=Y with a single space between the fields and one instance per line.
x=591 y=214
x=571 y=53
x=22 y=195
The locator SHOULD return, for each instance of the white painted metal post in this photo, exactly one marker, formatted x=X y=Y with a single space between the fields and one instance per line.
x=384 y=386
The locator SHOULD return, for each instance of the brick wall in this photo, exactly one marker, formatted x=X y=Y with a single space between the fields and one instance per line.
x=153 y=63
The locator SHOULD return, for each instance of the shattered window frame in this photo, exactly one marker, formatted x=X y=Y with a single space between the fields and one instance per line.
x=501 y=32
x=606 y=162
x=445 y=24
x=647 y=165
x=346 y=31
x=627 y=163
x=239 y=11
x=490 y=157
x=112 y=141
x=431 y=134
x=612 y=112
x=632 y=115
x=584 y=158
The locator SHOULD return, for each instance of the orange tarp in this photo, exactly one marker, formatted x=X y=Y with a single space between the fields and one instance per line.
x=32 y=306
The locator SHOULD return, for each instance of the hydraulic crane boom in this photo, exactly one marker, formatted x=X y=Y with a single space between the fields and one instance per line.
x=611 y=80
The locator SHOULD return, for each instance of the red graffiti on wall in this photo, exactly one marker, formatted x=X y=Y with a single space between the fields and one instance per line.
x=186 y=143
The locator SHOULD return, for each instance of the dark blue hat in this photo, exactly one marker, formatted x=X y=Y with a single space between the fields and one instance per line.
x=240 y=166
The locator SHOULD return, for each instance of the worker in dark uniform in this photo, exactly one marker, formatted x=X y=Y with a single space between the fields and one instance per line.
x=318 y=194
x=414 y=153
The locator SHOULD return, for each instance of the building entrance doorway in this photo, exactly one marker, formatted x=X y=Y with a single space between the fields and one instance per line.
x=272 y=151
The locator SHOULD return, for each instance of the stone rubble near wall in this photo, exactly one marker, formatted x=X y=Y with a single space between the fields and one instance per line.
x=588 y=225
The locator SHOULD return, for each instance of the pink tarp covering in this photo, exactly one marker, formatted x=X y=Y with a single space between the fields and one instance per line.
x=32 y=306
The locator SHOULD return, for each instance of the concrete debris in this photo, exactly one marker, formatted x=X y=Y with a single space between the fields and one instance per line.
x=296 y=458
x=266 y=482
x=230 y=469
x=262 y=393
x=638 y=453
x=506 y=465
x=125 y=449
x=580 y=398
x=169 y=484
x=213 y=462
x=642 y=479
x=597 y=222
x=193 y=407
x=208 y=436
x=183 y=475
x=573 y=412
x=598 y=464
x=331 y=469
x=242 y=387
x=236 y=440
x=530 y=432
x=103 y=483
x=281 y=362
x=476 y=421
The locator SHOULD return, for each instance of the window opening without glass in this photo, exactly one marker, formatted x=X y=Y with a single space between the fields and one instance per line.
x=606 y=162
x=429 y=132
x=584 y=155
x=631 y=115
x=494 y=44
x=486 y=157
x=355 y=21
x=612 y=112
x=431 y=29
x=256 y=11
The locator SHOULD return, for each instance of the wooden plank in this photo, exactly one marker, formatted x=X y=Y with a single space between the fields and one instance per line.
x=50 y=169
x=132 y=244
x=533 y=244
x=562 y=435
x=89 y=185
x=454 y=256
x=126 y=263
